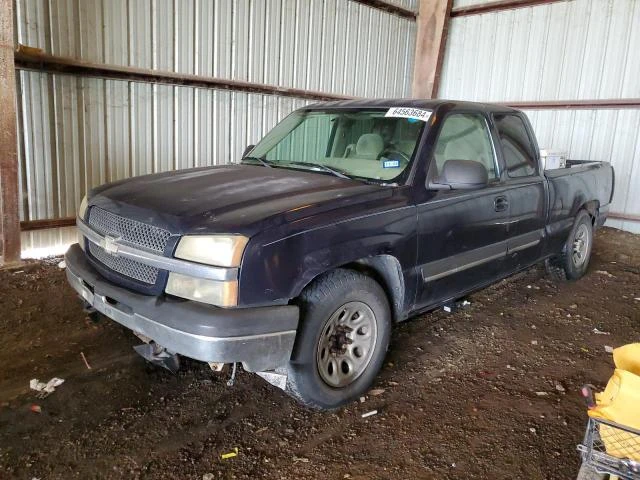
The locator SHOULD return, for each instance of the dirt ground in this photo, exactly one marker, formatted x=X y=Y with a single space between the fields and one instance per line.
x=461 y=392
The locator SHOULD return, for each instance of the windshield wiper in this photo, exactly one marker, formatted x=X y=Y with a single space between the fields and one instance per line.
x=322 y=167
x=264 y=162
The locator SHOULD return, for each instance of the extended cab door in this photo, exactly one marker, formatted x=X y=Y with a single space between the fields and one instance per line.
x=526 y=189
x=462 y=233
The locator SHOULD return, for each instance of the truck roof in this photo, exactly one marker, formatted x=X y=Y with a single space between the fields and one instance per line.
x=408 y=102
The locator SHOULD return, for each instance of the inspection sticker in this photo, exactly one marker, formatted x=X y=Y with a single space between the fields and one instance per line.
x=391 y=164
x=407 y=112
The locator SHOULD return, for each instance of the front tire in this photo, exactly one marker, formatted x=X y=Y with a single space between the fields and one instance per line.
x=342 y=339
x=573 y=261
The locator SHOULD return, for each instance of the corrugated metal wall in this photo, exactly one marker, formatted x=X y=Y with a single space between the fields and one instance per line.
x=76 y=132
x=583 y=49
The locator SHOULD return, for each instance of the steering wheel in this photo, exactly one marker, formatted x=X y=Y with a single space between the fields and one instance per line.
x=404 y=156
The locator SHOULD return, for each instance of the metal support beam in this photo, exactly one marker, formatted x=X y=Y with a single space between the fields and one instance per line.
x=389 y=8
x=604 y=104
x=29 y=225
x=498 y=6
x=431 y=39
x=9 y=214
x=27 y=58
x=624 y=216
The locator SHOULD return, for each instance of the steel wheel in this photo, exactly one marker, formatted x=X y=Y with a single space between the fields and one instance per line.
x=346 y=344
x=581 y=245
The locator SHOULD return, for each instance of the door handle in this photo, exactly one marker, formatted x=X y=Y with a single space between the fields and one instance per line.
x=500 y=204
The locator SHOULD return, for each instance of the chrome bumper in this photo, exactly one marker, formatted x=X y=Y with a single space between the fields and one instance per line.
x=260 y=338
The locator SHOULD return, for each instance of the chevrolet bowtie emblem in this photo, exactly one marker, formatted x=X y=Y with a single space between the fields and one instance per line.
x=110 y=245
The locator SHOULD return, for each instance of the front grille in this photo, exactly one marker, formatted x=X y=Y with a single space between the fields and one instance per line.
x=125 y=266
x=137 y=234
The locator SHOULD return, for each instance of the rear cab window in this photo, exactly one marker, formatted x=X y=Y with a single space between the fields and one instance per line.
x=517 y=148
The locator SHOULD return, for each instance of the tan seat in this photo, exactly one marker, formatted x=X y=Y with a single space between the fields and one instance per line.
x=369 y=146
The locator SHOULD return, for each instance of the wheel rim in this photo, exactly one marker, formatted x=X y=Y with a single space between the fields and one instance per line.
x=346 y=344
x=581 y=243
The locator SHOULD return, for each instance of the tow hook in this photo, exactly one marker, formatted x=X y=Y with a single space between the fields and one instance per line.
x=158 y=355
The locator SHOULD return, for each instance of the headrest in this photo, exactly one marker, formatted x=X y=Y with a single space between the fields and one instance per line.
x=369 y=145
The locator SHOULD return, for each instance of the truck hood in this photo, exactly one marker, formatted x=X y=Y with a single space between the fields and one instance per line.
x=230 y=199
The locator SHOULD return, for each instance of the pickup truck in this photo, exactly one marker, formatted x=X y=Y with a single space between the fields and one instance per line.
x=346 y=218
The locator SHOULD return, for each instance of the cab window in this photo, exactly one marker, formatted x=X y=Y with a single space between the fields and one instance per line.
x=519 y=158
x=465 y=136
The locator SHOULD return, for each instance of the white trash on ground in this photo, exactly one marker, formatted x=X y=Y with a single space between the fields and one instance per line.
x=45 y=389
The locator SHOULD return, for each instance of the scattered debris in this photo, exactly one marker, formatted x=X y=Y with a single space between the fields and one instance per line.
x=393 y=384
x=300 y=459
x=455 y=306
x=369 y=414
x=600 y=332
x=232 y=454
x=542 y=394
x=263 y=429
x=232 y=378
x=84 y=359
x=560 y=388
x=376 y=391
x=534 y=342
x=605 y=273
x=208 y=476
x=362 y=399
x=608 y=349
x=637 y=299
x=573 y=306
x=45 y=389
x=35 y=408
x=62 y=265
x=532 y=430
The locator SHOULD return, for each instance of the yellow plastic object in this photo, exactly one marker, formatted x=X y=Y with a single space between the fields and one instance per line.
x=620 y=403
x=627 y=358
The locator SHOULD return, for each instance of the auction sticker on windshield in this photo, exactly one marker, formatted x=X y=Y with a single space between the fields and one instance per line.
x=407 y=112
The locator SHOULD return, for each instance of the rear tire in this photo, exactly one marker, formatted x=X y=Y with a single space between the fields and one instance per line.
x=573 y=261
x=342 y=339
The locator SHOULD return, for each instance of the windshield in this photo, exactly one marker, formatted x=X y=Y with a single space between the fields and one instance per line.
x=372 y=145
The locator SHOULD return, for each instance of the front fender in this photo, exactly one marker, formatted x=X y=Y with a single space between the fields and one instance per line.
x=275 y=270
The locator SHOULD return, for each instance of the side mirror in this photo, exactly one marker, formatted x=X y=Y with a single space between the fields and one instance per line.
x=247 y=150
x=460 y=175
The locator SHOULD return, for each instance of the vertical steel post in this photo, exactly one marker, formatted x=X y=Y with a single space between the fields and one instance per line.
x=431 y=39
x=9 y=215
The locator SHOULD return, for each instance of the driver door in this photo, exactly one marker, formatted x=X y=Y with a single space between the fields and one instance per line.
x=462 y=234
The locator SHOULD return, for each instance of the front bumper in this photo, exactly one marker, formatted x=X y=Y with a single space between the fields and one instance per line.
x=260 y=338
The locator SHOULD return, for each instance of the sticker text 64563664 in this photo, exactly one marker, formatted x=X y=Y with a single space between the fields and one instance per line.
x=408 y=112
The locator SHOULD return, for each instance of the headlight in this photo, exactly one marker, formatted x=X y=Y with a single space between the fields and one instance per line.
x=82 y=209
x=222 y=294
x=218 y=250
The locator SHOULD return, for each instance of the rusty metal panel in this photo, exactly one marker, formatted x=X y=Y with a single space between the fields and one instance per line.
x=579 y=50
x=585 y=49
x=605 y=135
x=78 y=132
x=305 y=44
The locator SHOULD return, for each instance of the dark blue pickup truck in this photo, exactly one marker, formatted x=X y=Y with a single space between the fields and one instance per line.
x=347 y=217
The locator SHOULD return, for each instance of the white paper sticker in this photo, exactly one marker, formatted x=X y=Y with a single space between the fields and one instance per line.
x=408 y=112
